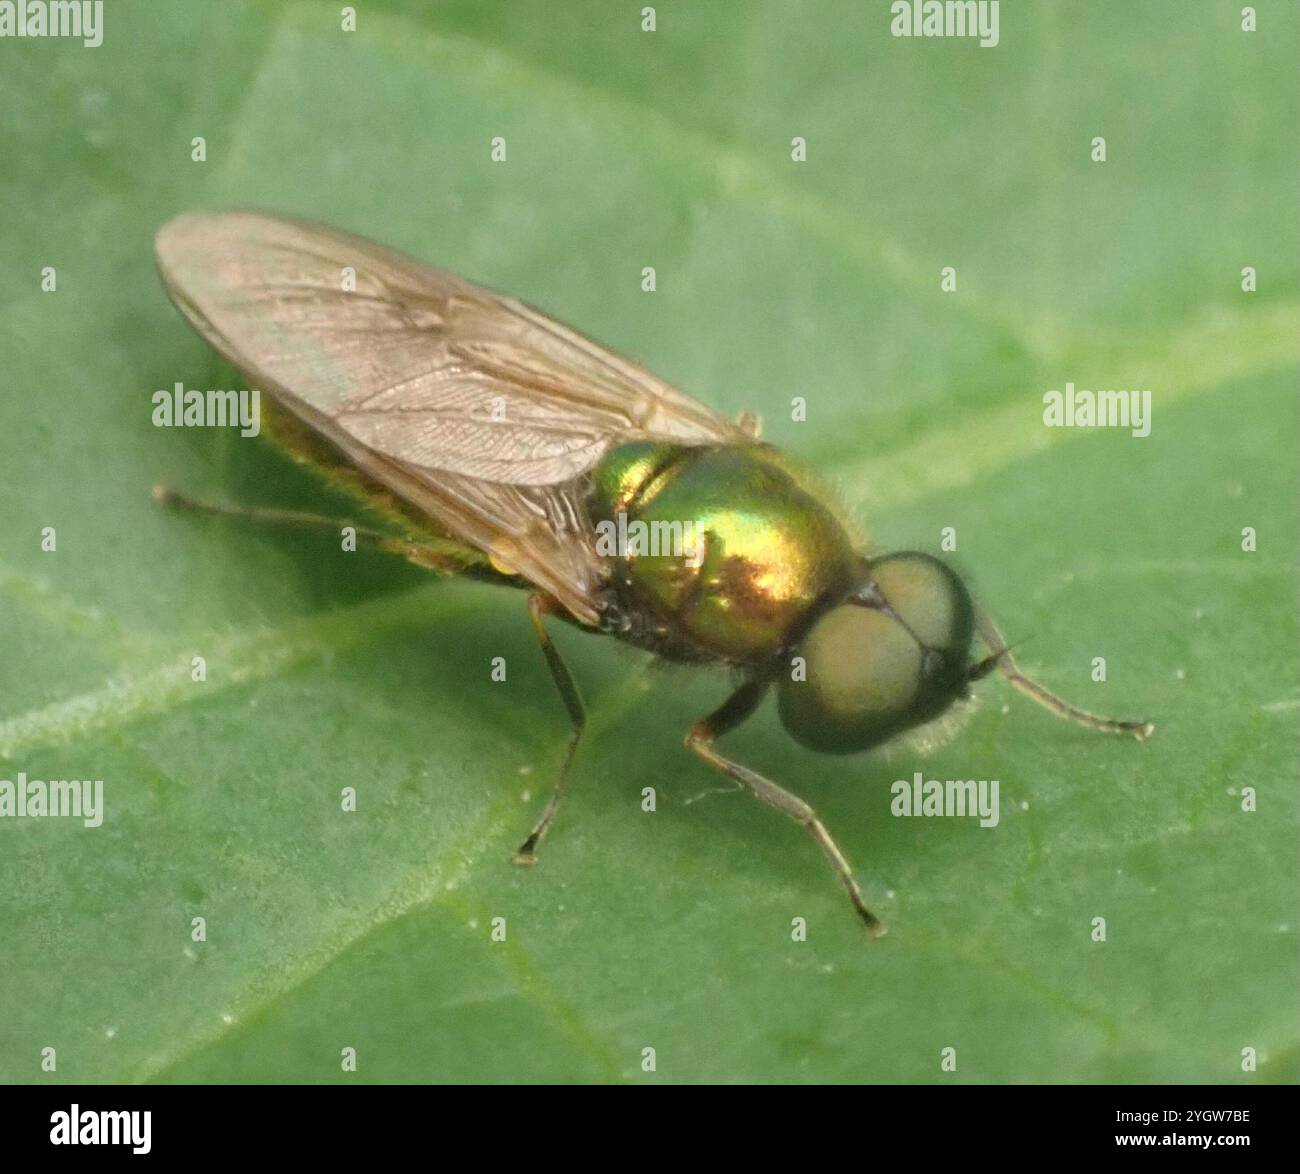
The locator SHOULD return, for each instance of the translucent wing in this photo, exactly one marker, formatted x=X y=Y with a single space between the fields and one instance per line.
x=479 y=410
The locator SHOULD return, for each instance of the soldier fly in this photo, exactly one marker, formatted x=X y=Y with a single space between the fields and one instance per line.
x=501 y=439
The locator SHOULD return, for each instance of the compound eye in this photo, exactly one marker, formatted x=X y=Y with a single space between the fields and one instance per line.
x=929 y=599
x=862 y=677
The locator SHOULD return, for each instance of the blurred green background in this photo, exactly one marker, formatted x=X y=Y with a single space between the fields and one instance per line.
x=820 y=279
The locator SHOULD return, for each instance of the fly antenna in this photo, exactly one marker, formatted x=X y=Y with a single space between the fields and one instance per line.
x=1005 y=663
x=982 y=668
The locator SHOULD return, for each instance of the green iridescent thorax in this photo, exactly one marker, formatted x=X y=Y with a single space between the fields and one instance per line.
x=758 y=551
x=620 y=478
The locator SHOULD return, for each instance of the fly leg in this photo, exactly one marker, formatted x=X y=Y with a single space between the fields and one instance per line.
x=434 y=558
x=1005 y=663
x=538 y=607
x=727 y=717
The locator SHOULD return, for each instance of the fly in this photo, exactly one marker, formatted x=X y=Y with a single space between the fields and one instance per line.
x=516 y=447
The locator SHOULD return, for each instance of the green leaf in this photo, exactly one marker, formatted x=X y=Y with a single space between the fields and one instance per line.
x=672 y=930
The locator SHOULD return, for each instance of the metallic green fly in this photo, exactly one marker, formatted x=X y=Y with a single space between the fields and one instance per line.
x=511 y=445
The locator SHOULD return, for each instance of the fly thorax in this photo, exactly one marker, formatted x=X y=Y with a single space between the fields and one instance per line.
x=722 y=545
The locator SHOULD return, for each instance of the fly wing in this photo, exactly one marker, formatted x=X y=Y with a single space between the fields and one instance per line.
x=476 y=408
